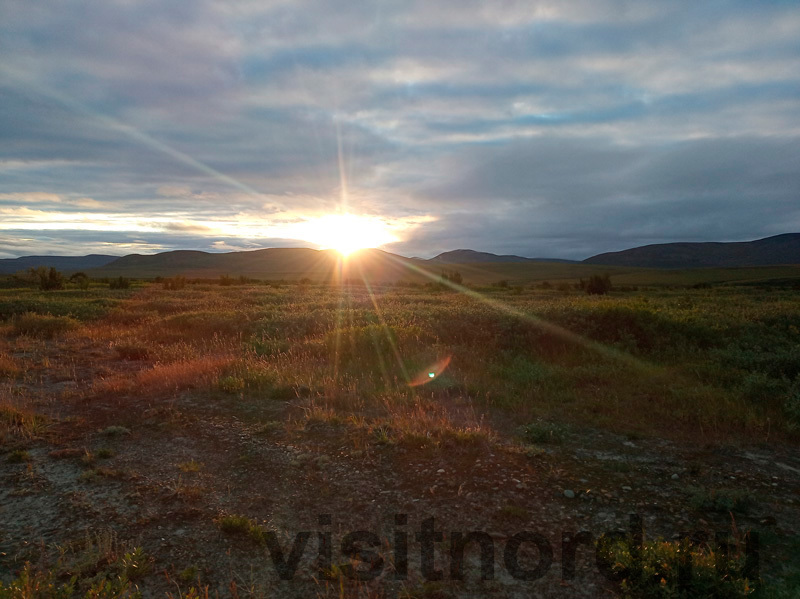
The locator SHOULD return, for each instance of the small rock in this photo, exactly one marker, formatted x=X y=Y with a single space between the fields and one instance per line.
x=440 y=471
x=626 y=488
x=569 y=494
x=675 y=477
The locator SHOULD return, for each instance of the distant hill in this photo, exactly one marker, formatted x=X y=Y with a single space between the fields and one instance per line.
x=471 y=256
x=272 y=263
x=66 y=263
x=779 y=249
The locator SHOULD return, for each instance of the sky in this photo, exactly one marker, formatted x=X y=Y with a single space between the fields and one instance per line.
x=543 y=129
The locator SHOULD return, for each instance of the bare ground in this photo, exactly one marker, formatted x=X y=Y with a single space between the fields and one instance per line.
x=150 y=495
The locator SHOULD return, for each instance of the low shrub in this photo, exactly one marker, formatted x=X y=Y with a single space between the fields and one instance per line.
x=119 y=283
x=664 y=569
x=721 y=500
x=544 y=432
x=596 y=285
x=42 y=325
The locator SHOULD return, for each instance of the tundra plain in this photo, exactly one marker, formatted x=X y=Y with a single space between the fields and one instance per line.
x=163 y=440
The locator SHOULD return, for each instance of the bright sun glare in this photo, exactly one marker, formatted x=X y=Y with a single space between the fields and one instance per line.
x=346 y=233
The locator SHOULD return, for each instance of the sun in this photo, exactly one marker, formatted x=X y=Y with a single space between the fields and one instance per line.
x=347 y=233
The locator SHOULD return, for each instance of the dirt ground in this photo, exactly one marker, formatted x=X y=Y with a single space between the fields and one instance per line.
x=160 y=472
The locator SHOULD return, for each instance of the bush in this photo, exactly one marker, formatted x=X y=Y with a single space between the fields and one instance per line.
x=49 y=280
x=544 y=432
x=80 y=279
x=452 y=276
x=119 y=283
x=596 y=285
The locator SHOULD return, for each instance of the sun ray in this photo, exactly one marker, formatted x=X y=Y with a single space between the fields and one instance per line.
x=385 y=326
x=545 y=325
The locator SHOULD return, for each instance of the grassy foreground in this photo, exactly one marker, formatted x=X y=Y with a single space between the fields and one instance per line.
x=215 y=416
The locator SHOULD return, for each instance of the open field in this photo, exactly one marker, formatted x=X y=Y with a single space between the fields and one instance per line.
x=170 y=440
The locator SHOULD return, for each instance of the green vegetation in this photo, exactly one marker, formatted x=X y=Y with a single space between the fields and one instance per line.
x=665 y=569
x=97 y=566
x=81 y=280
x=18 y=456
x=49 y=279
x=241 y=525
x=737 y=501
x=543 y=432
x=119 y=283
x=719 y=359
x=42 y=325
x=597 y=284
x=19 y=422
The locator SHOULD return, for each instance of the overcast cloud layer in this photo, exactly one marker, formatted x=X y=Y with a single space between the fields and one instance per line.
x=558 y=129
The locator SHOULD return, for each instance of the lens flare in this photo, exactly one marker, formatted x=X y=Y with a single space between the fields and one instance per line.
x=431 y=373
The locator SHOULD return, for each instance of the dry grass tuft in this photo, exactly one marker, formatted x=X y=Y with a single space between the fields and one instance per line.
x=42 y=325
x=196 y=373
x=8 y=367
x=20 y=422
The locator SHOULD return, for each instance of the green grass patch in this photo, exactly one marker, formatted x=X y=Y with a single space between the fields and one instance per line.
x=666 y=569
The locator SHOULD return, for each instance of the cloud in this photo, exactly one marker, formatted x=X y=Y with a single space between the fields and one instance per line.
x=32 y=197
x=560 y=128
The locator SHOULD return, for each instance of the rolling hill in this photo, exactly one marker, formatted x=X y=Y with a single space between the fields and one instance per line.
x=66 y=263
x=473 y=257
x=272 y=263
x=663 y=264
x=779 y=249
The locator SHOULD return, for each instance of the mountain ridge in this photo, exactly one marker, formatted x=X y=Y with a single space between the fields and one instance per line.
x=465 y=256
x=288 y=262
x=768 y=251
x=69 y=263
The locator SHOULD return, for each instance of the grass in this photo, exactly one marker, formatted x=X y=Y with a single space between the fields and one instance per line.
x=737 y=501
x=18 y=456
x=242 y=526
x=42 y=325
x=328 y=370
x=543 y=432
x=98 y=565
x=662 y=569
x=115 y=430
x=20 y=422
x=8 y=367
x=190 y=466
x=721 y=361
